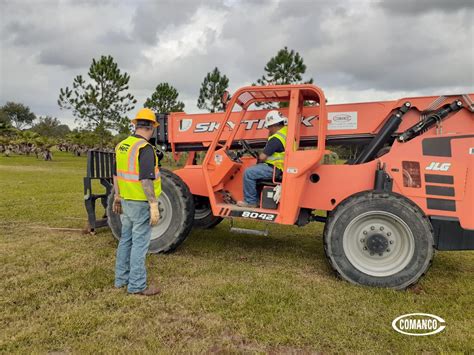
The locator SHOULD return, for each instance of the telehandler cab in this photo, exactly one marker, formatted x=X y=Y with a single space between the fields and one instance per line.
x=409 y=190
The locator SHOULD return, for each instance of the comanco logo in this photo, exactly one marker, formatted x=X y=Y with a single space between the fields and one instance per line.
x=342 y=118
x=418 y=324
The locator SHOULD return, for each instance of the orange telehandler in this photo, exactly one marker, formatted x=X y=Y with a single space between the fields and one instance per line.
x=409 y=190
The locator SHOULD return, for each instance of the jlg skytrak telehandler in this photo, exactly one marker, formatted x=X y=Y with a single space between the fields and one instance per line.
x=409 y=191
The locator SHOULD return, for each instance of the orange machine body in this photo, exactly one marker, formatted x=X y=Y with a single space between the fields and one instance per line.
x=434 y=169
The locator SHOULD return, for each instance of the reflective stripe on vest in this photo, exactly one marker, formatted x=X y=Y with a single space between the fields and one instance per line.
x=128 y=175
x=277 y=158
x=135 y=177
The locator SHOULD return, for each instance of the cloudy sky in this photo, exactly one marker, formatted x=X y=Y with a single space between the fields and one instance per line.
x=355 y=50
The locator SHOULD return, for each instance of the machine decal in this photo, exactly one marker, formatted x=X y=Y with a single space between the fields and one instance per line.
x=254 y=215
x=210 y=126
x=307 y=120
x=218 y=159
x=440 y=204
x=439 y=179
x=185 y=124
x=439 y=190
x=440 y=147
x=436 y=166
x=249 y=124
x=342 y=120
x=411 y=174
x=224 y=211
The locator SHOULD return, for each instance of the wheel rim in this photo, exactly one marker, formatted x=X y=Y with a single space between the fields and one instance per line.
x=201 y=209
x=166 y=215
x=378 y=243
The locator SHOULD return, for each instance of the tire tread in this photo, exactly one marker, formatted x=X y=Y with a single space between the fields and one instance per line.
x=371 y=195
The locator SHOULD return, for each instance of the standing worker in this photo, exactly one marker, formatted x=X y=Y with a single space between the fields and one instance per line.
x=137 y=187
x=272 y=157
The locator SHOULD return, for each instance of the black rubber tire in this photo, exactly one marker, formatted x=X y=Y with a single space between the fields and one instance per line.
x=182 y=215
x=203 y=217
x=407 y=211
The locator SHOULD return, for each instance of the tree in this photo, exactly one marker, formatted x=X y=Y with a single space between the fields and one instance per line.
x=287 y=67
x=4 y=119
x=8 y=130
x=16 y=114
x=50 y=127
x=102 y=102
x=87 y=138
x=164 y=99
x=212 y=89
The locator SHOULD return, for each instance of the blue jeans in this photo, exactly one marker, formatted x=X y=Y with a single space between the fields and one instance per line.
x=251 y=175
x=133 y=246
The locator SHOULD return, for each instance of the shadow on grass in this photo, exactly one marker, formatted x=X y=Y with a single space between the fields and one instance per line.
x=290 y=245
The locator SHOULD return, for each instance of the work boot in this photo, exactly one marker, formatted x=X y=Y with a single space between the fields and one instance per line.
x=149 y=291
x=245 y=204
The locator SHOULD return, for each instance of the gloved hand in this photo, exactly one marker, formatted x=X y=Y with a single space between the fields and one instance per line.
x=117 y=206
x=154 y=213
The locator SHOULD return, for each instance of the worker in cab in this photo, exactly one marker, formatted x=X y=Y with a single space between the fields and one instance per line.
x=271 y=158
x=137 y=186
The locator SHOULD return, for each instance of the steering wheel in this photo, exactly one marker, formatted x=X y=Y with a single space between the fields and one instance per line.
x=246 y=147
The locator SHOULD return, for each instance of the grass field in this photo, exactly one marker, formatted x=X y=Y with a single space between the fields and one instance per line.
x=221 y=292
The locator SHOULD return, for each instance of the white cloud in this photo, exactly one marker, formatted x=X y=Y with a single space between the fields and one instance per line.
x=355 y=50
x=188 y=39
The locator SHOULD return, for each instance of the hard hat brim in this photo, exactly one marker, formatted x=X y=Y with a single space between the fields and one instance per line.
x=155 y=124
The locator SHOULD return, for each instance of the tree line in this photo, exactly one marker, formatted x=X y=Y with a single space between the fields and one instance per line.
x=101 y=102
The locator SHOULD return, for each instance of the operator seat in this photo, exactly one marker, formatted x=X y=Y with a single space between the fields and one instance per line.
x=269 y=182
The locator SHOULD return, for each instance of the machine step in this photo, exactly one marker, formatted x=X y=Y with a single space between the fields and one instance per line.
x=263 y=233
x=249 y=231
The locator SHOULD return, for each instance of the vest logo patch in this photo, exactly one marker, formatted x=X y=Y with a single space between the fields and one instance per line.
x=124 y=147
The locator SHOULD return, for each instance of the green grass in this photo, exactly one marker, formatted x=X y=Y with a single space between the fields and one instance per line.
x=221 y=292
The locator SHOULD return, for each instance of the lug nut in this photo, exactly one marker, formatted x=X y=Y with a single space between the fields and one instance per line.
x=391 y=242
x=381 y=228
x=365 y=248
x=372 y=228
x=365 y=232
x=388 y=250
x=389 y=234
x=362 y=240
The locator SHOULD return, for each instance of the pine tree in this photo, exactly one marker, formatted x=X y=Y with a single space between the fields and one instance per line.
x=102 y=102
x=164 y=99
x=212 y=89
x=287 y=67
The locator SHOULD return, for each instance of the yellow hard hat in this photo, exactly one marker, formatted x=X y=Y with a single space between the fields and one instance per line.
x=147 y=115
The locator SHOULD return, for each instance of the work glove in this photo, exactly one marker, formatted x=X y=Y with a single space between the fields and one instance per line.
x=154 y=214
x=117 y=206
x=277 y=193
